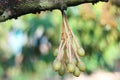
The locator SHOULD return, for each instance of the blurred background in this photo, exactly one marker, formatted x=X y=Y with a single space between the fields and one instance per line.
x=27 y=44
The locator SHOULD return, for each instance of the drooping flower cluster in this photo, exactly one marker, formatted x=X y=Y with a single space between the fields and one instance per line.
x=69 y=52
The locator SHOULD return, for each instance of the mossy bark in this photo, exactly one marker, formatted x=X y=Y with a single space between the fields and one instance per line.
x=15 y=8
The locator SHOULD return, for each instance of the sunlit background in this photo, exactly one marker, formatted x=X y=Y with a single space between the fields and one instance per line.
x=27 y=44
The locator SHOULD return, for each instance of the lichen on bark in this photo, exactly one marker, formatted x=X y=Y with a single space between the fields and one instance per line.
x=15 y=8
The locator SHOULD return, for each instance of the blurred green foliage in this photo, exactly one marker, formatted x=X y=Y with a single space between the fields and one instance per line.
x=99 y=36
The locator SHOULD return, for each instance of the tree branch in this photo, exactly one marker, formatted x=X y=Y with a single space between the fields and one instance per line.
x=15 y=8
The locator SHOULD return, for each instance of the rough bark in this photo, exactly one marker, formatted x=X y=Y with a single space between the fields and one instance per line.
x=15 y=8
